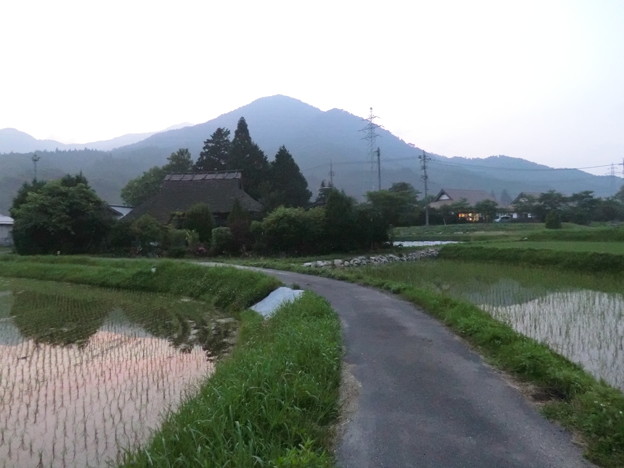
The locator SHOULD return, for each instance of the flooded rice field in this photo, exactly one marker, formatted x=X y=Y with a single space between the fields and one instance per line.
x=586 y=326
x=86 y=374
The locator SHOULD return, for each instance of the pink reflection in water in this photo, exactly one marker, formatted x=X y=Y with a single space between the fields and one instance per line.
x=65 y=406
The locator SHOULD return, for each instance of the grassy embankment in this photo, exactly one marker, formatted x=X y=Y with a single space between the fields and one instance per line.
x=272 y=403
x=590 y=408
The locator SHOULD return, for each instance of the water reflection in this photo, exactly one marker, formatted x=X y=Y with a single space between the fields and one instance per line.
x=81 y=402
x=585 y=326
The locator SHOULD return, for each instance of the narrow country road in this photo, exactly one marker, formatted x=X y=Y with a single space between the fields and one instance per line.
x=425 y=399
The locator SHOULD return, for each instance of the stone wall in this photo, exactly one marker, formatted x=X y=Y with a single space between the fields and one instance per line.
x=374 y=260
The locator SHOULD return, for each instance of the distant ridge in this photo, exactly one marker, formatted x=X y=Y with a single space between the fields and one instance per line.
x=316 y=139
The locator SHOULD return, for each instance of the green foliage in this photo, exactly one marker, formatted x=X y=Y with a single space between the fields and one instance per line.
x=220 y=286
x=198 y=218
x=239 y=223
x=340 y=221
x=577 y=261
x=271 y=404
x=288 y=187
x=215 y=154
x=487 y=208
x=64 y=215
x=222 y=241
x=179 y=161
x=246 y=156
x=553 y=220
x=141 y=188
x=398 y=205
x=23 y=192
x=149 y=234
x=293 y=230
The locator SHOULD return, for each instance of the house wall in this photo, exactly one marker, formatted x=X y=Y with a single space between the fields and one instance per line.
x=5 y=234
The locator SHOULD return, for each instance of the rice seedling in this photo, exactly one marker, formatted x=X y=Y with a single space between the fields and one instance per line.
x=580 y=316
x=87 y=373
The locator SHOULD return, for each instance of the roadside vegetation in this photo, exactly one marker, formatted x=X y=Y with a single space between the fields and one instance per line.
x=565 y=392
x=272 y=403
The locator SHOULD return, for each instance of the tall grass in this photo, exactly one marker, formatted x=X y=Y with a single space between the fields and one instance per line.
x=271 y=404
x=229 y=289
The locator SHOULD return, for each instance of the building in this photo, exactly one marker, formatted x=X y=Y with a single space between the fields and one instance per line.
x=6 y=227
x=470 y=197
x=178 y=192
x=119 y=211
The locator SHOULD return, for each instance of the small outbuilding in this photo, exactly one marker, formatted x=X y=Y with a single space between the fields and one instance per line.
x=6 y=228
x=178 y=192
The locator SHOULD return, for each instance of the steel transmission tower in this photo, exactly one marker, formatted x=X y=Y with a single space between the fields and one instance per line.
x=370 y=135
x=424 y=159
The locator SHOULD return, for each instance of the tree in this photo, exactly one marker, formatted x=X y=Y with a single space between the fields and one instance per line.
x=247 y=157
x=581 y=207
x=179 y=161
x=287 y=185
x=547 y=202
x=198 y=218
x=63 y=215
x=398 y=206
x=22 y=194
x=141 y=188
x=487 y=208
x=239 y=223
x=340 y=221
x=216 y=152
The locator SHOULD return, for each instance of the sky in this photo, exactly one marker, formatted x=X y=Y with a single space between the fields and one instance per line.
x=540 y=80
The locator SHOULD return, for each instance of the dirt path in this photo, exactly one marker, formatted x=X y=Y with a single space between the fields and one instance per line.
x=422 y=398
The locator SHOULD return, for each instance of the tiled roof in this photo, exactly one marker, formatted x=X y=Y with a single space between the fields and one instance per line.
x=179 y=192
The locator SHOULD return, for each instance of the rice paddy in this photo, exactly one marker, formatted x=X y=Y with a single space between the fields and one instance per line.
x=580 y=317
x=87 y=374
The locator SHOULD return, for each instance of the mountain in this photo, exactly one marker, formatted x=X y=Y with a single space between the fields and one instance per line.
x=14 y=141
x=320 y=142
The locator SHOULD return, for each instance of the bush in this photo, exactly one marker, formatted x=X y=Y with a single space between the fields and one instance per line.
x=293 y=230
x=222 y=241
x=553 y=220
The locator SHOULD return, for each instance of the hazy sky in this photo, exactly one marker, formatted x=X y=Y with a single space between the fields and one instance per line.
x=541 y=80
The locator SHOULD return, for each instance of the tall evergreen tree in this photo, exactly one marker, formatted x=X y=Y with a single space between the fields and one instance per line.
x=216 y=152
x=246 y=156
x=288 y=187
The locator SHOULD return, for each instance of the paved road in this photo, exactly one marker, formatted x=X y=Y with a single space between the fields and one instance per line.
x=425 y=399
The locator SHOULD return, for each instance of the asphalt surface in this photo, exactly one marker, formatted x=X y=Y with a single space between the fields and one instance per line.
x=424 y=398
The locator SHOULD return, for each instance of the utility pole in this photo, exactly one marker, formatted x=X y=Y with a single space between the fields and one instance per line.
x=35 y=159
x=378 y=169
x=424 y=158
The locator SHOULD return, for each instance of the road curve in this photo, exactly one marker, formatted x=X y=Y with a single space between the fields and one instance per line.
x=425 y=398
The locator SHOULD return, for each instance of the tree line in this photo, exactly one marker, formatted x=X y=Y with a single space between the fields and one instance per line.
x=276 y=183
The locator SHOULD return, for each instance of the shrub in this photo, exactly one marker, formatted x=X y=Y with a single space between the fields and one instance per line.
x=222 y=241
x=293 y=230
x=553 y=220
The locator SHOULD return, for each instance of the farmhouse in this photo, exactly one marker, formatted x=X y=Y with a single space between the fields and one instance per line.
x=6 y=226
x=521 y=205
x=470 y=197
x=178 y=192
